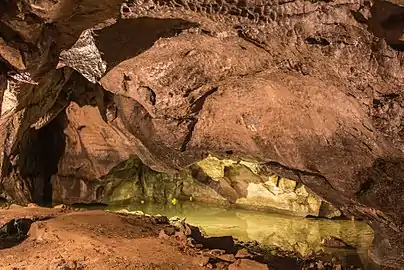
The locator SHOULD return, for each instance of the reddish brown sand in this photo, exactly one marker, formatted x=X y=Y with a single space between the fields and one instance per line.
x=94 y=240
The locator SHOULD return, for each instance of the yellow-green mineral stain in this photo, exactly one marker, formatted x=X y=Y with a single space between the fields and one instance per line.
x=174 y=201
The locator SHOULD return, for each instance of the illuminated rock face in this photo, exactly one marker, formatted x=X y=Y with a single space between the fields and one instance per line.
x=246 y=185
x=220 y=182
x=311 y=90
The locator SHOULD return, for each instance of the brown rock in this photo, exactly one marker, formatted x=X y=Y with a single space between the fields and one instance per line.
x=181 y=236
x=242 y=254
x=216 y=252
x=227 y=258
x=60 y=206
x=204 y=261
x=163 y=235
x=169 y=231
x=245 y=264
x=221 y=265
x=11 y=55
x=160 y=220
x=187 y=230
x=320 y=265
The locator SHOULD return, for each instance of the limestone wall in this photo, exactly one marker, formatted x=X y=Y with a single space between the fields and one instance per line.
x=221 y=182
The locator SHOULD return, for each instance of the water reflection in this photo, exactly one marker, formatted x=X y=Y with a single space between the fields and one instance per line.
x=289 y=233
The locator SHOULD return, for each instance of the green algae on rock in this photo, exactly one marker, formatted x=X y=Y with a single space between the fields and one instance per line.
x=223 y=182
x=135 y=181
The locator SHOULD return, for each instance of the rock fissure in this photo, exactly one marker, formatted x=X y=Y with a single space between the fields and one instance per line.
x=293 y=173
x=188 y=137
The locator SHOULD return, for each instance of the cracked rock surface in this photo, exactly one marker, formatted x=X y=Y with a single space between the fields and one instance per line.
x=312 y=90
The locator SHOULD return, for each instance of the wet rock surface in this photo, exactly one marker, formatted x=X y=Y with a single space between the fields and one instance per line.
x=312 y=90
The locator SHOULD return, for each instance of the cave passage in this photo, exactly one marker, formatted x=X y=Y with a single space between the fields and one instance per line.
x=40 y=152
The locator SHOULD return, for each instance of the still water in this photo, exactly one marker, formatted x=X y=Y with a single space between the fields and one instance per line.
x=288 y=233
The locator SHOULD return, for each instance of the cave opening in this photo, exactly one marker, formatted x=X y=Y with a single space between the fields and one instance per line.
x=40 y=152
x=52 y=143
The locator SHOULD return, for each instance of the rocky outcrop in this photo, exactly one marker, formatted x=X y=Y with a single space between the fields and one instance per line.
x=246 y=185
x=310 y=90
x=236 y=184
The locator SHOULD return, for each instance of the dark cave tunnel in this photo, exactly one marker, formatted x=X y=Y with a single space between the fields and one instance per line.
x=40 y=152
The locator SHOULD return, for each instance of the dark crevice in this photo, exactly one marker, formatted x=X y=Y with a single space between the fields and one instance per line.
x=150 y=95
x=377 y=103
x=198 y=104
x=317 y=41
x=244 y=36
x=188 y=138
x=296 y=174
x=109 y=110
x=398 y=47
x=367 y=146
x=358 y=16
x=3 y=81
x=8 y=34
x=227 y=171
x=14 y=232
x=364 y=187
x=196 y=107
x=391 y=96
x=100 y=192
x=125 y=9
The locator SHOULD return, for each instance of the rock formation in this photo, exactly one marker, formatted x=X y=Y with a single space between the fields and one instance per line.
x=310 y=90
x=213 y=181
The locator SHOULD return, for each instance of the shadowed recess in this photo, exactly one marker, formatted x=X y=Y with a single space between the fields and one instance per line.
x=128 y=38
x=388 y=22
x=14 y=232
x=40 y=152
